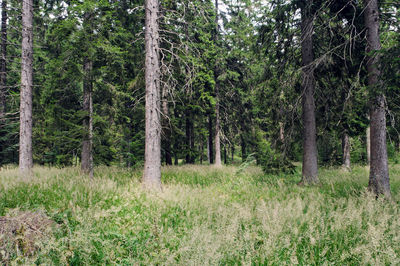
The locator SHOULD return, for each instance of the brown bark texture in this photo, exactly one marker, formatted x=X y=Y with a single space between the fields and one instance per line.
x=379 y=182
x=25 y=133
x=210 y=151
x=3 y=62
x=368 y=141
x=310 y=163
x=217 y=133
x=217 y=114
x=346 y=151
x=3 y=73
x=87 y=142
x=152 y=160
x=190 y=159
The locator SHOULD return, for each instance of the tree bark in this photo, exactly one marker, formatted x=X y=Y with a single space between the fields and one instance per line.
x=176 y=160
x=3 y=78
x=379 y=182
x=152 y=161
x=243 y=146
x=368 y=141
x=25 y=133
x=3 y=62
x=217 y=131
x=210 y=141
x=166 y=127
x=87 y=142
x=310 y=163
x=217 y=118
x=177 y=139
x=192 y=144
x=201 y=149
x=225 y=159
x=346 y=151
x=189 y=138
x=233 y=152
x=281 y=132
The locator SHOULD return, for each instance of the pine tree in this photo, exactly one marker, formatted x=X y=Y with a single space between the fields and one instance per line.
x=310 y=162
x=152 y=160
x=379 y=171
x=87 y=142
x=25 y=135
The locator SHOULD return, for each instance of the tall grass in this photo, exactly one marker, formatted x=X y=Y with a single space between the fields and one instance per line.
x=207 y=215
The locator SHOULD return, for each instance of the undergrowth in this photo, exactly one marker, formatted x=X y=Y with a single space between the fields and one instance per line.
x=207 y=215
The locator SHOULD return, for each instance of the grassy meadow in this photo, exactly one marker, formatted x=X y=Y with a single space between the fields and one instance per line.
x=206 y=215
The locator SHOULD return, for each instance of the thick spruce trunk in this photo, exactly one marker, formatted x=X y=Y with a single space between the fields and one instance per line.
x=25 y=133
x=217 y=114
x=346 y=151
x=379 y=172
x=152 y=160
x=3 y=62
x=310 y=163
x=87 y=142
x=3 y=77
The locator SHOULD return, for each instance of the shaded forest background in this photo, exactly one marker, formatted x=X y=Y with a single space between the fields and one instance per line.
x=255 y=62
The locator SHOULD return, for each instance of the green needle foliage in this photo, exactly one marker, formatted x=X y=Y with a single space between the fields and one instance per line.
x=254 y=59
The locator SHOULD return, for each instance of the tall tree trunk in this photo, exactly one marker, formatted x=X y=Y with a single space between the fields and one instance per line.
x=346 y=151
x=243 y=146
x=379 y=173
x=3 y=77
x=176 y=160
x=177 y=138
x=87 y=142
x=152 y=160
x=217 y=132
x=3 y=62
x=233 y=153
x=25 y=132
x=190 y=159
x=166 y=127
x=188 y=126
x=192 y=144
x=208 y=150
x=225 y=159
x=217 y=114
x=201 y=149
x=281 y=132
x=310 y=163
x=210 y=140
x=368 y=141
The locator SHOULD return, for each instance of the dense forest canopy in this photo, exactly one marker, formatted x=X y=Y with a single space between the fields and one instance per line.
x=274 y=81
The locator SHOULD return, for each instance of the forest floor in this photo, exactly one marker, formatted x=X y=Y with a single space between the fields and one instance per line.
x=204 y=215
